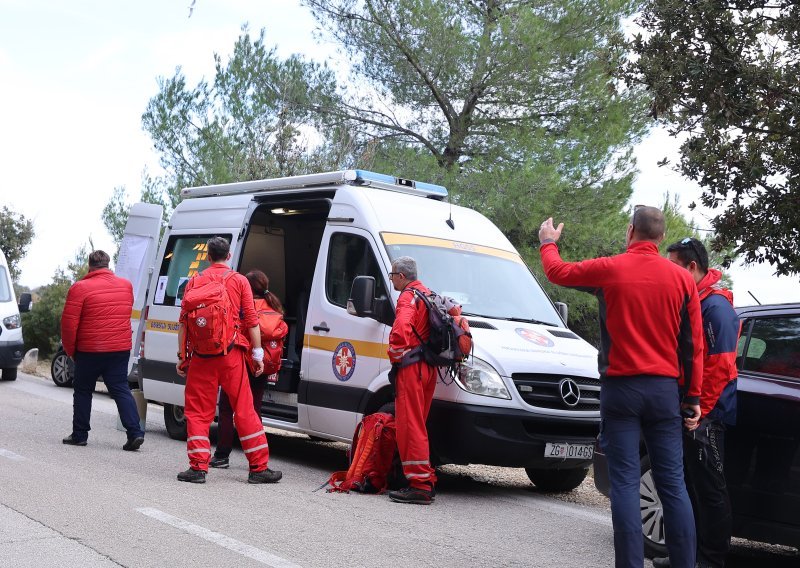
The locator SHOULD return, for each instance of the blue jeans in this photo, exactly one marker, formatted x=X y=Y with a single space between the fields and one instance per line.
x=648 y=406
x=113 y=366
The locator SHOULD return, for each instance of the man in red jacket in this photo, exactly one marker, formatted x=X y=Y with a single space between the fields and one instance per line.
x=206 y=373
x=96 y=333
x=650 y=336
x=704 y=443
x=414 y=383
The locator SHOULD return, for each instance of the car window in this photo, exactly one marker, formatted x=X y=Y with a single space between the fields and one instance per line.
x=350 y=256
x=5 y=289
x=774 y=347
x=185 y=256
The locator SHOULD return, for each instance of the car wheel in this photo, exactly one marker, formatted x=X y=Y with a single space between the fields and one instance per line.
x=652 y=513
x=10 y=374
x=556 y=480
x=62 y=369
x=175 y=421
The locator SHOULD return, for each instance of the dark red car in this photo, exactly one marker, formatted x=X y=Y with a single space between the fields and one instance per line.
x=762 y=452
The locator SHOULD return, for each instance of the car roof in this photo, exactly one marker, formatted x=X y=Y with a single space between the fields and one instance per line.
x=792 y=308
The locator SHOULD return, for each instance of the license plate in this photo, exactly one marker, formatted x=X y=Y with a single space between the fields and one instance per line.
x=568 y=451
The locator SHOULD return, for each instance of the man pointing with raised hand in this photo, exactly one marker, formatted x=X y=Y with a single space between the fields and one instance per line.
x=651 y=336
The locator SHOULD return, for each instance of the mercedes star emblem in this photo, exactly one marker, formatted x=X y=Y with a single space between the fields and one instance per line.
x=570 y=392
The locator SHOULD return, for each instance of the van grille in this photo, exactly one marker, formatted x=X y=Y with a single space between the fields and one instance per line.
x=543 y=391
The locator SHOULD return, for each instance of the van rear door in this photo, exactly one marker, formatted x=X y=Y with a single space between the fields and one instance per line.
x=137 y=253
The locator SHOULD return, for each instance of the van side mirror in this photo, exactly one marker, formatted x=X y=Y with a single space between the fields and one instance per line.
x=363 y=303
x=25 y=302
x=563 y=311
x=362 y=297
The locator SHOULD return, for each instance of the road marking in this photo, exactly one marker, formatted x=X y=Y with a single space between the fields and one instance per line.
x=227 y=542
x=11 y=455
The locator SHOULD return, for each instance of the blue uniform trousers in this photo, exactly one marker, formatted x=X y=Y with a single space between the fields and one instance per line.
x=113 y=366
x=648 y=406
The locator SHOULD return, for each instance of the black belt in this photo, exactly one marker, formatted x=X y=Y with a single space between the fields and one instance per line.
x=207 y=356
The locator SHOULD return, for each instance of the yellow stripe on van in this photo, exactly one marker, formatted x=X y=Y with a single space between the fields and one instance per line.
x=403 y=239
x=162 y=325
x=136 y=314
x=365 y=348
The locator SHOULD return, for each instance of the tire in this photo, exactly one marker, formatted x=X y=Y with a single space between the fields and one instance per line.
x=652 y=513
x=556 y=480
x=175 y=421
x=10 y=374
x=62 y=369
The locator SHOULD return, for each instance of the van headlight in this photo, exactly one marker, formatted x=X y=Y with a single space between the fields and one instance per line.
x=12 y=322
x=479 y=377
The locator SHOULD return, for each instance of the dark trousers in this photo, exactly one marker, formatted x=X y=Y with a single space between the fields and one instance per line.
x=703 y=458
x=113 y=367
x=649 y=406
x=225 y=418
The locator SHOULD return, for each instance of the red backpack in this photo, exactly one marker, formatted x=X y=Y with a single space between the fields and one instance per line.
x=374 y=447
x=273 y=331
x=208 y=315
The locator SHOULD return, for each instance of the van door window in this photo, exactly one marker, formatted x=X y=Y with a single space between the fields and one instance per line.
x=350 y=256
x=185 y=256
x=774 y=347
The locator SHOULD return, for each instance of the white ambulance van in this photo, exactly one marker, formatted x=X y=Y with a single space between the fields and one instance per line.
x=529 y=397
x=11 y=345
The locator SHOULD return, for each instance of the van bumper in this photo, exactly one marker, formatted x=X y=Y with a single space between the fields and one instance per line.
x=11 y=353
x=464 y=433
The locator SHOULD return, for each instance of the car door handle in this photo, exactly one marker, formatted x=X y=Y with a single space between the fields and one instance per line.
x=321 y=327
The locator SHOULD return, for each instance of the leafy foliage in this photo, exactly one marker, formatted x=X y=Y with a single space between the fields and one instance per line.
x=16 y=234
x=511 y=105
x=725 y=73
x=514 y=106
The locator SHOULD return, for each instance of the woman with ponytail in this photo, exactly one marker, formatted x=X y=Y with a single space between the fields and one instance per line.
x=273 y=331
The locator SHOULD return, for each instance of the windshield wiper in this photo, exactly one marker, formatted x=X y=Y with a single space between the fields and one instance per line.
x=507 y=318
x=530 y=320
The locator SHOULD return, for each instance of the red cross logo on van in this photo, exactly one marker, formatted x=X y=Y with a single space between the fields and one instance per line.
x=534 y=337
x=344 y=361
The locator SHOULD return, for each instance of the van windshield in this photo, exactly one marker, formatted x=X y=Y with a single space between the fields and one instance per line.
x=486 y=282
x=5 y=290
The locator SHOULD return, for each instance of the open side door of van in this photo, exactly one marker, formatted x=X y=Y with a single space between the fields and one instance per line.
x=137 y=253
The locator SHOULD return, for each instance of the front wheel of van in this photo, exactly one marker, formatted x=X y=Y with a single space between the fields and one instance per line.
x=556 y=480
x=175 y=421
x=10 y=374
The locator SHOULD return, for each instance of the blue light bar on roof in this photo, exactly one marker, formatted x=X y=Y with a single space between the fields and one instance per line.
x=431 y=189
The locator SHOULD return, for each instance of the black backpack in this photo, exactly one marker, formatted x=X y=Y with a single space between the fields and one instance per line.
x=450 y=340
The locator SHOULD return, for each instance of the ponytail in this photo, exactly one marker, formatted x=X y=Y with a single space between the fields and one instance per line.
x=273 y=301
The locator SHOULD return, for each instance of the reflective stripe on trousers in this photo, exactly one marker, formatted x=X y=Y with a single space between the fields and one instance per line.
x=415 y=386
x=203 y=380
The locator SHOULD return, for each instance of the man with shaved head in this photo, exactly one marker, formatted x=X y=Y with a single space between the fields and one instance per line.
x=651 y=339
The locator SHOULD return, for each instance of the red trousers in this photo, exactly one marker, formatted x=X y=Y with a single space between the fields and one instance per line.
x=415 y=385
x=205 y=376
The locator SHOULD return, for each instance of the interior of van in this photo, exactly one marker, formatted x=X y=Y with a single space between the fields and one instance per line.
x=283 y=241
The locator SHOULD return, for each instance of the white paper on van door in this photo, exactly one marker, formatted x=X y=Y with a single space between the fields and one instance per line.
x=132 y=252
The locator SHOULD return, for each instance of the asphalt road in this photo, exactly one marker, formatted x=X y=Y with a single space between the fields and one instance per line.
x=98 y=506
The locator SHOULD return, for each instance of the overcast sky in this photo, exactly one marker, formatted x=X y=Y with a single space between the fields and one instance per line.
x=77 y=76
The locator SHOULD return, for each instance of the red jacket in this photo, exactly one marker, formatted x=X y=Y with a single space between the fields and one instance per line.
x=650 y=322
x=411 y=315
x=241 y=296
x=721 y=328
x=97 y=314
